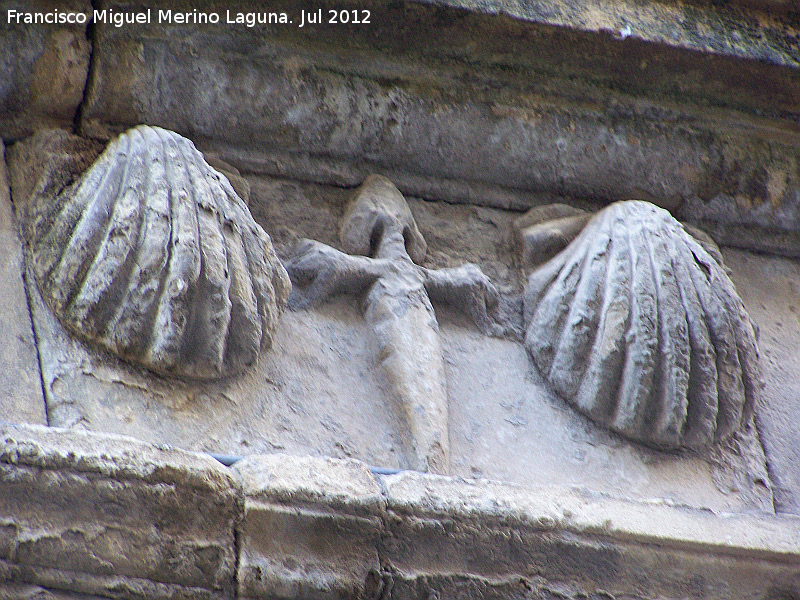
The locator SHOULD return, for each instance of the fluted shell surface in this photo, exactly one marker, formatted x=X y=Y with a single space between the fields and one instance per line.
x=153 y=256
x=641 y=329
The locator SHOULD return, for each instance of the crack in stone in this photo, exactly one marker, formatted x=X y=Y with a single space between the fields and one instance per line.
x=91 y=37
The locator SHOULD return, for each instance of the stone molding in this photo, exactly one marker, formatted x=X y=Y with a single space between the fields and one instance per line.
x=689 y=105
x=277 y=526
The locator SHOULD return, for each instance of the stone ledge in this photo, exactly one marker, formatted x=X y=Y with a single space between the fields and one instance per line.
x=326 y=528
x=563 y=509
x=110 y=515
x=581 y=542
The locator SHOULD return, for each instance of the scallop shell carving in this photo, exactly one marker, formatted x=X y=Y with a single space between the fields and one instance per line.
x=152 y=255
x=640 y=328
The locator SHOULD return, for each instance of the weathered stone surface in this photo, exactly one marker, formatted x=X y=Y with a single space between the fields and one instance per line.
x=770 y=289
x=546 y=230
x=558 y=112
x=640 y=328
x=378 y=223
x=239 y=183
x=311 y=528
x=110 y=515
x=46 y=163
x=513 y=429
x=152 y=255
x=756 y=29
x=17 y=591
x=449 y=536
x=44 y=68
x=21 y=398
x=377 y=206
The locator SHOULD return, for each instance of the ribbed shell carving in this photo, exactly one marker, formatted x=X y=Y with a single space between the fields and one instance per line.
x=641 y=329
x=153 y=256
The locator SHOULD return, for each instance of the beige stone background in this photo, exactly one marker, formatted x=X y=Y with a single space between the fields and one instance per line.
x=477 y=112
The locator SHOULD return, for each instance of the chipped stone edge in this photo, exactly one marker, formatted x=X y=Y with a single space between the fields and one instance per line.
x=399 y=517
x=633 y=20
x=92 y=464
x=557 y=508
x=117 y=456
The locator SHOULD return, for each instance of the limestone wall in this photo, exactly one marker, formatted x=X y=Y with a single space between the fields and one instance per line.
x=477 y=111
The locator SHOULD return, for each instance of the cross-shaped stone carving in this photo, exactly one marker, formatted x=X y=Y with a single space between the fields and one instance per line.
x=379 y=226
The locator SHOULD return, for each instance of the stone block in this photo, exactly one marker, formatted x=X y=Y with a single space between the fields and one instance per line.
x=44 y=66
x=453 y=538
x=89 y=516
x=21 y=397
x=311 y=528
x=567 y=110
x=109 y=515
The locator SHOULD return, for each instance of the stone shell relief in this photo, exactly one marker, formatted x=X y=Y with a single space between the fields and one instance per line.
x=638 y=326
x=152 y=255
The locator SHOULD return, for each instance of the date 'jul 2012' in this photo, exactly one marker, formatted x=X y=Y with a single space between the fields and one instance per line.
x=193 y=17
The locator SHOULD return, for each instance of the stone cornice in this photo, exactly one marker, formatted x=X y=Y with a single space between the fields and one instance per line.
x=284 y=526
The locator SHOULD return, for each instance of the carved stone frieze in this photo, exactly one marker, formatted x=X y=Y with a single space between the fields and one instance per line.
x=638 y=326
x=378 y=223
x=462 y=401
x=152 y=255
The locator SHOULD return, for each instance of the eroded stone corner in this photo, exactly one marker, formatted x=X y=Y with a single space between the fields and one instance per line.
x=109 y=515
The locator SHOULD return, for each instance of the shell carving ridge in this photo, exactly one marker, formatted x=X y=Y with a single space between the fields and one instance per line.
x=641 y=329
x=152 y=255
